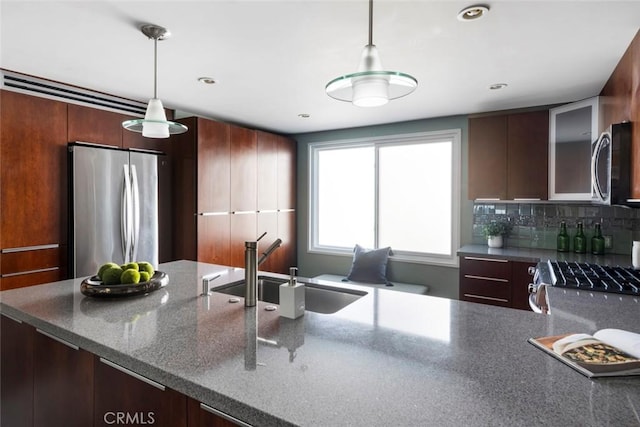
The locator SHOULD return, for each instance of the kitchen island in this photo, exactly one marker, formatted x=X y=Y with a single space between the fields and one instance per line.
x=389 y=358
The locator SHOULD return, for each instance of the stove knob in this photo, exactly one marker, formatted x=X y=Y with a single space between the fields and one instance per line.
x=531 y=270
x=532 y=288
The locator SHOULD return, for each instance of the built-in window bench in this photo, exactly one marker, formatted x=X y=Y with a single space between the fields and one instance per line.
x=397 y=286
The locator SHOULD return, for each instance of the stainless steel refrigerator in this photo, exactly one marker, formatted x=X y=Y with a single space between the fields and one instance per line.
x=114 y=207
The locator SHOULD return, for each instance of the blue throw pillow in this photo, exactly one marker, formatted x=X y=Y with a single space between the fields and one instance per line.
x=369 y=266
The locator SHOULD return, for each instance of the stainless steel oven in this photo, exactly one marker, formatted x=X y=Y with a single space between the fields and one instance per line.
x=580 y=276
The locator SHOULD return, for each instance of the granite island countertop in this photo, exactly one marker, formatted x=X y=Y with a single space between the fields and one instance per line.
x=389 y=358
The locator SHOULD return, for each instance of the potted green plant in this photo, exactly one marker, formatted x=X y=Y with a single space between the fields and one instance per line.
x=495 y=231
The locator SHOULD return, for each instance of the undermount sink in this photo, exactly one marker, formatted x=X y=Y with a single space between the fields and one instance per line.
x=318 y=298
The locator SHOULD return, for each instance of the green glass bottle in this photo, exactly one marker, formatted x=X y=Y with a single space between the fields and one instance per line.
x=580 y=240
x=597 y=241
x=563 y=238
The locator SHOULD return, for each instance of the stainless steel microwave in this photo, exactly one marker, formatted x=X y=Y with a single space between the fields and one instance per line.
x=611 y=166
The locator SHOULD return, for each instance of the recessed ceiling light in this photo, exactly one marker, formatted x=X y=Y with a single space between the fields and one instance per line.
x=473 y=12
x=304 y=115
x=207 y=80
x=497 y=86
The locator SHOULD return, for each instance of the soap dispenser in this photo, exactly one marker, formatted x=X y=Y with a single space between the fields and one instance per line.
x=292 y=297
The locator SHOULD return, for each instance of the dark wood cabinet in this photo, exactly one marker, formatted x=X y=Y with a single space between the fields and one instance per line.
x=508 y=156
x=33 y=185
x=276 y=199
x=213 y=167
x=27 y=266
x=244 y=169
x=528 y=151
x=120 y=391
x=201 y=191
x=495 y=281
x=86 y=124
x=214 y=239
x=287 y=158
x=230 y=185
x=46 y=381
x=488 y=157
x=268 y=222
x=267 y=174
x=16 y=372
x=62 y=383
x=244 y=228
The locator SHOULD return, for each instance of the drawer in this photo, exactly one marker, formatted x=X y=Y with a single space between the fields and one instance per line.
x=486 y=290
x=29 y=266
x=30 y=260
x=30 y=279
x=485 y=267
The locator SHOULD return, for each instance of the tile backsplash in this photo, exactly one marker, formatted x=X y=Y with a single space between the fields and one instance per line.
x=536 y=225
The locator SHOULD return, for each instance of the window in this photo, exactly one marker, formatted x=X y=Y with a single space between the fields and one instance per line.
x=399 y=191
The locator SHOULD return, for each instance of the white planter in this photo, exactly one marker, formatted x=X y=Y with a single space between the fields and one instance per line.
x=494 y=241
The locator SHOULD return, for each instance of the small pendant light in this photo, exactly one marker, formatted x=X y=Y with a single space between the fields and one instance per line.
x=155 y=124
x=371 y=86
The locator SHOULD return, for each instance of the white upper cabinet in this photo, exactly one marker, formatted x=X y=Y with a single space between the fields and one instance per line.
x=573 y=129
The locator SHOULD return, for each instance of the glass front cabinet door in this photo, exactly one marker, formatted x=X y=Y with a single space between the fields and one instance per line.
x=573 y=129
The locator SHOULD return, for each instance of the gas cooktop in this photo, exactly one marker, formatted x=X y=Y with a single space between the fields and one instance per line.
x=594 y=277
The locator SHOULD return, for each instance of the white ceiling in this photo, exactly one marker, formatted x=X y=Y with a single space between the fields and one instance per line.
x=272 y=59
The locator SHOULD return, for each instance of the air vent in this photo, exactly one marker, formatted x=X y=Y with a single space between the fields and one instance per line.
x=59 y=91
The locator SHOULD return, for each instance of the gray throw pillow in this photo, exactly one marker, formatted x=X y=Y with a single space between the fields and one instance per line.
x=369 y=266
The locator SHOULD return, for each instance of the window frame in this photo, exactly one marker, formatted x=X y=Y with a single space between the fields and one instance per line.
x=452 y=135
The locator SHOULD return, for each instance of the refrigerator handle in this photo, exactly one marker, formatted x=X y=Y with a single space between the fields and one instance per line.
x=125 y=221
x=135 y=208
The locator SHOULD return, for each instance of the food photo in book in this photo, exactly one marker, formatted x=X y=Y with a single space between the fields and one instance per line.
x=608 y=352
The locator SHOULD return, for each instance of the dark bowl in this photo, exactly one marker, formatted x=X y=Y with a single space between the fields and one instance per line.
x=94 y=287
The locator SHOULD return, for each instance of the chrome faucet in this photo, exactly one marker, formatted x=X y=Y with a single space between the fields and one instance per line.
x=251 y=263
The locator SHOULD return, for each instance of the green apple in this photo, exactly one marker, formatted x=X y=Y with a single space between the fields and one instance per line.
x=130 y=277
x=104 y=267
x=146 y=266
x=111 y=276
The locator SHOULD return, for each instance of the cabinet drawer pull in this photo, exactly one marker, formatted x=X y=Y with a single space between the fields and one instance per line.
x=30 y=248
x=60 y=340
x=223 y=415
x=487 y=298
x=12 y=318
x=40 y=270
x=212 y=213
x=133 y=374
x=526 y=199
x=472 y=258
x=488 y=199
x=493 y=279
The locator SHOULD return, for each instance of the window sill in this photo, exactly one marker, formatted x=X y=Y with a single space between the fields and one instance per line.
x=451 y=262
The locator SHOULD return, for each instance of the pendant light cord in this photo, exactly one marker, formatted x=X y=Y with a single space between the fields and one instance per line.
x=370 y=22
x=155 y=67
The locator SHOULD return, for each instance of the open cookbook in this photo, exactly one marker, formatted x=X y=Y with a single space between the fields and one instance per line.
x=607 y=353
